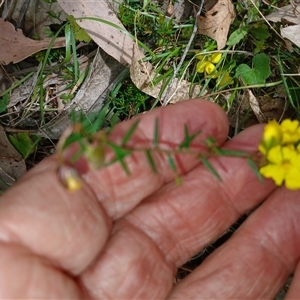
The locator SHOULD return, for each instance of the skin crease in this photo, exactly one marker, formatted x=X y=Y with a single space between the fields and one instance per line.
x=123 y=237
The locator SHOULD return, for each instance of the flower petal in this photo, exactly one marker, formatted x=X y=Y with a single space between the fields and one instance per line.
x=201 y=66
x=215 y=57
x=275 y=155
x=290 y=131
x=292 y=180
x=209 y=67
x=271 y=136
x=276 y=172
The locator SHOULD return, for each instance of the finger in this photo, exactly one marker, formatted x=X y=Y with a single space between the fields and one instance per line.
x=24 y=275
x=183 y=220
x=117 y=191
x=130 y=267
x=257 y=260
x=175 y=223
x=38 y=213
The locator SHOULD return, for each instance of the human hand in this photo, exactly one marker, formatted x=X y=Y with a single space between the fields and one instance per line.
x=123 y=237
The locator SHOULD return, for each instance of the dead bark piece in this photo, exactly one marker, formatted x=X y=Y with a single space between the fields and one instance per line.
x=14 y=46
x=217 y=21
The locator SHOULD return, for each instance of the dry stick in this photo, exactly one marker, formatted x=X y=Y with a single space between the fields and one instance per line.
x=165 y=99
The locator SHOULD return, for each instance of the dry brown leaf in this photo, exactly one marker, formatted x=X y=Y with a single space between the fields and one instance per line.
x=14 y=46
x=217 y=21
x=143 y=74
x=33 y=17
x=285 y=14
x=291 y=33
x=111 y=40
x=254 y=104
x=12 y=165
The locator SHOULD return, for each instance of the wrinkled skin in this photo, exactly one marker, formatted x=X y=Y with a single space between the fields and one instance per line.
x=123 y=237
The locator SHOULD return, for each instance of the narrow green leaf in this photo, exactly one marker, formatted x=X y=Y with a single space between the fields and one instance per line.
x=253 y=166
x=173 y=167
x=172 y=163
x=208 y=165
x=130 y=132
x=68 y=42
x=156 y=133
x=228 y=152
x=125 y=167
x=24 y=143
x=188 y=138
x=237 y=36
x=75 y=59
x=120 y=153
x=42 y=110
x=4 y=101
x=151 y=161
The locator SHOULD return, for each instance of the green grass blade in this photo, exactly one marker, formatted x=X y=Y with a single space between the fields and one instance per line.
x=75 y=59
x=68 y=42
x=16 y=84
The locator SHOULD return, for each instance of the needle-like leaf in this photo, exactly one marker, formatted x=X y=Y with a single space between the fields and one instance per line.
x=120 y=153
x=208 y=165
x=151 y=160
x=130 y=132
x=188 y=138
x=253 y=166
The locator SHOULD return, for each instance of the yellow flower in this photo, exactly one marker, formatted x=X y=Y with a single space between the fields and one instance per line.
x=215 y=57
x=207 y=63
x=225 y=79
x=284 y=165
x=271 y=137
x=290 y=131
x=206 y=67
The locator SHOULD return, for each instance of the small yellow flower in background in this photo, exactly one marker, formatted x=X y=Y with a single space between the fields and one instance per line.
x=207 y=66
x=207 y=63
x=225 y=79
x=215 y=57
x=281 y=149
